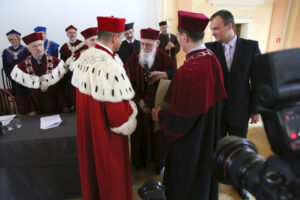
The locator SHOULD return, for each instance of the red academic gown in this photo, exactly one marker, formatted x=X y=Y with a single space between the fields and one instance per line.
x=40 y=81
x=192 y=127
x=68 y=92
x=146 y=147
x=105 y=116
x=66 y=52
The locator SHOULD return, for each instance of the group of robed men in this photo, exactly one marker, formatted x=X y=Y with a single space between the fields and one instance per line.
x=32 y=75
x=113 y=101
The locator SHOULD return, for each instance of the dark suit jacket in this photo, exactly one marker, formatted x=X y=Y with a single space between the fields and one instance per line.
x=126 y=49
x=239 y=82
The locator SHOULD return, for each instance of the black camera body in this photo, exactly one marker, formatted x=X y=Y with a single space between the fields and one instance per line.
x=236 y=160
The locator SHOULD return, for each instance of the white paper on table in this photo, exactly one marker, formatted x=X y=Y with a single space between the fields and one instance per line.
x=50 y=121
x=5 y=119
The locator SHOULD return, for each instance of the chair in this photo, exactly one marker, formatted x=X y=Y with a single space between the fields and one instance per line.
x=5 y=81
x=7 y=103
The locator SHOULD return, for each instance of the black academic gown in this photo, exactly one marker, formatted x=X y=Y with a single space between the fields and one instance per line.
x=192 y=127
x=164 y=39
x=127 y=49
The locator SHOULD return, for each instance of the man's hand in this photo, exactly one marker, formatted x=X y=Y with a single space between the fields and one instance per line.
x=171 y=45
x=144 y=107
x=157 y=75
x=254 y=119
x=32 y=113
x=155 y=113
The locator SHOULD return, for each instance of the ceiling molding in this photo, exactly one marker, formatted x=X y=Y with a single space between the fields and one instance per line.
x=236 y=4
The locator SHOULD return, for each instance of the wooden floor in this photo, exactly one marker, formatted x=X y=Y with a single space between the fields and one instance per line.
x=256 y=134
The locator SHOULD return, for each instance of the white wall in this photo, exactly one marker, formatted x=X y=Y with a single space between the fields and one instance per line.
x=56 y=15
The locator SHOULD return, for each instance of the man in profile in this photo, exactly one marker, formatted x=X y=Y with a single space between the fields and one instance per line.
x=236 y=56
x=192 y=123
x=105 y=116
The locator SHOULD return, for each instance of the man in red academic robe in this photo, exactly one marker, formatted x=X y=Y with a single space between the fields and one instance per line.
x=68 y=50
x=74 y=45
x=147 y=147
x=105 y=116
x=90 y=36
x=192 y=125
x=90 y=40
x=39 y=73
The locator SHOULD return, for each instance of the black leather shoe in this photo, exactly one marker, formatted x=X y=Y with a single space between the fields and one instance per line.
x=243 y=193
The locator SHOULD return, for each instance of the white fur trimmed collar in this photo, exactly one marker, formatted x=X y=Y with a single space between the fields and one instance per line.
x=97 y=74
x=39 y=82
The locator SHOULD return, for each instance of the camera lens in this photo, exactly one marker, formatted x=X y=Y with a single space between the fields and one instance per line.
x=236 y=162
x=152 y=190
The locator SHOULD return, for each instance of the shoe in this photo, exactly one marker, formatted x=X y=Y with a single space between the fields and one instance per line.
x=243 y=193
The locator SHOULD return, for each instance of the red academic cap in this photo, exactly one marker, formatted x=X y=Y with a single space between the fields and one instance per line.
x=89 y=32
x=149 y=33
x=32 y=38
x=193 y=22
x=71 y=27
x=111 y=24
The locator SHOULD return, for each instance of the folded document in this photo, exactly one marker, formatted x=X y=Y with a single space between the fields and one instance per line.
x=50 y=121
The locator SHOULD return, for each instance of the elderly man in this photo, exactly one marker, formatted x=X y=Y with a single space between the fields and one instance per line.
x=50 y=47
x=68 y=91
x=130 y=44
x=105 y=116
x=147 y=147
x=67 y=51
x=168 y=41
x=39 y=73
x=192 y=123
x=90 y=40
x=74 y=45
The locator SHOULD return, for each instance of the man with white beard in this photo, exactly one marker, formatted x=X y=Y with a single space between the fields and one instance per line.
x=147 y=147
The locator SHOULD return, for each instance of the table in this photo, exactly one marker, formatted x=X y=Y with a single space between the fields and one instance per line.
x=40 y=164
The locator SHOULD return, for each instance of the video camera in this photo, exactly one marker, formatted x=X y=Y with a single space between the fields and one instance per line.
x=236 y=161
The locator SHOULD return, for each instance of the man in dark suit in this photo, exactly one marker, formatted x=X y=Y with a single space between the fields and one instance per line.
x=130 y=44
x=236 y=56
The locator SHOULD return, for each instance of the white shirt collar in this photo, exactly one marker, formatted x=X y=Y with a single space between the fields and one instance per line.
x=102 y=45
x=129 y=41
x=231 y=42
x=201 y=46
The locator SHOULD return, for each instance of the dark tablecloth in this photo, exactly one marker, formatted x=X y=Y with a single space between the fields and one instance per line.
x=39 y=164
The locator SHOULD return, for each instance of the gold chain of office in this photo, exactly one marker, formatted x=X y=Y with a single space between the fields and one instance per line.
x=29 y=68
x=199 y=54
x=15 y=53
